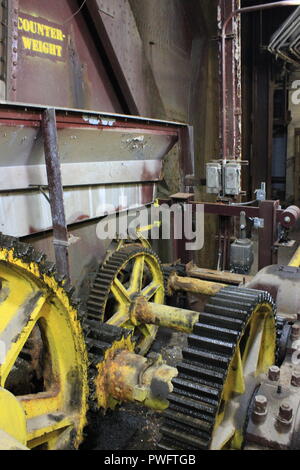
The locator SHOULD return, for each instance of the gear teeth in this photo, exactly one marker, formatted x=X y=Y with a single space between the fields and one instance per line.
x=8 y=242
x=168 y=270
x=29 y=255
x=190 y=419
x=48 y=268
x=60 y=278
x=38 y=257
x=114 y=263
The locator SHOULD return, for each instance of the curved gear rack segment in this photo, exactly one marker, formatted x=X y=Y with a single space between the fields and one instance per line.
x=33 y=300
x=130 y=271
x=233 y=342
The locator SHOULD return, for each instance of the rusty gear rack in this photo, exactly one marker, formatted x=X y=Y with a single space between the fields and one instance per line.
x=189 y=422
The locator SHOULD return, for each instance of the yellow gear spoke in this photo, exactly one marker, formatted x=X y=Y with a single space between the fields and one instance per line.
x=136 y=280
x=151 y=289
x=119 y=318
x=130 y=271
x=120 y=292
x=13 y=348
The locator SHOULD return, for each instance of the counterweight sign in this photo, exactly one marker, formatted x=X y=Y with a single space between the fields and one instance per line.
x=39 y=37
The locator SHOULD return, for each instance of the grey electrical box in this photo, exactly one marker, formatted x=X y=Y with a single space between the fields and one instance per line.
x=213 y=178
x=232 y=175
x=241 y=256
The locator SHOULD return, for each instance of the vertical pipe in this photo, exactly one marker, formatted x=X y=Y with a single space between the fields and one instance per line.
x=60 y=232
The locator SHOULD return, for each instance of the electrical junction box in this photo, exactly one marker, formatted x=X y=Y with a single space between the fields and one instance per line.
x=232 y=175
x=213 y=178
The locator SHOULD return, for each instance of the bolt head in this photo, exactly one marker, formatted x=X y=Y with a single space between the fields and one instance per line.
x=274 y=373
x=260 y=404
x=295 y=380
x=296 y=331
x=259 y=413
x=285 y=412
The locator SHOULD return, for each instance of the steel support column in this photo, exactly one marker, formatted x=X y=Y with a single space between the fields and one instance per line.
x=60 y=232
x=230 y=75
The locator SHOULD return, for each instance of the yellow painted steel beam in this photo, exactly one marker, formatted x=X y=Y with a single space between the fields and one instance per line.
x=194 y=286
x=295 y=261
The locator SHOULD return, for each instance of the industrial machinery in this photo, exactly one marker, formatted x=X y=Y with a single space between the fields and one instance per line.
x=59 y=361
x=79 y=312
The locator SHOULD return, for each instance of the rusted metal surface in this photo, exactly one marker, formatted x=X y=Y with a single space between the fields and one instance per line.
x=230 y=74
x=168 y=40
x=143 y=312
x=12 y=49
x=194 y=286
x=274 y=422
x=128 y=377
x=109 y=163
x=216 y=276
x=116 y=56
x=115 y=23
x=3 y=48
x=60 y=232
x=70 y=58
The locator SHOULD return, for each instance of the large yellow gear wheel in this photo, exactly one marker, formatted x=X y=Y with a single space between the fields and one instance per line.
x=132 y=270
x=233 y=343
x=43 y=357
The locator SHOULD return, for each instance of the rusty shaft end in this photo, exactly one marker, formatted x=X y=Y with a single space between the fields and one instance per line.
x=128 y=377
x=143 y=312
x=194 y=286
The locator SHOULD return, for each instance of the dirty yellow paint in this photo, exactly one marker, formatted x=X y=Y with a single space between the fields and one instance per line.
x=66 y=345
